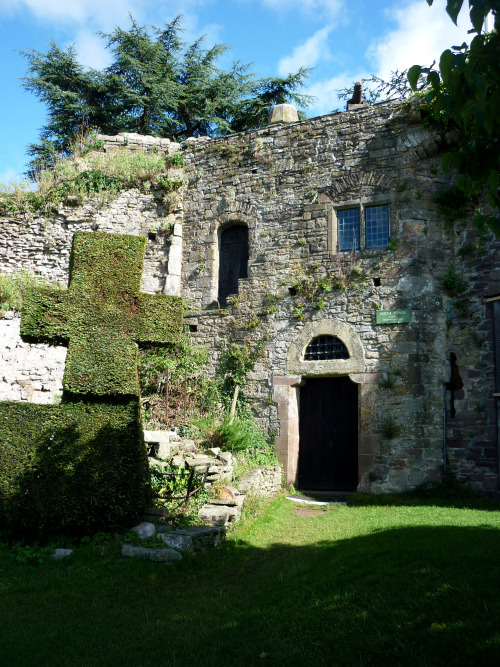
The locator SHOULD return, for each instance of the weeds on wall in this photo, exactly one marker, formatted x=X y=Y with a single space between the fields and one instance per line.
x=453 y=283
x=191 y=392
x=13 y=286
x=208 y=418
x=95 y=174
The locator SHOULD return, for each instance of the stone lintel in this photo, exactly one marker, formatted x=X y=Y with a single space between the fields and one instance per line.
x=286 y=381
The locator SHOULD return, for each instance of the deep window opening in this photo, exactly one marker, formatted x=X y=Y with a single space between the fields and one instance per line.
x=326 y=347
x=233 y=260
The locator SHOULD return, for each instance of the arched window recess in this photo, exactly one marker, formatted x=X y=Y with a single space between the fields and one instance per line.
x=325 y=347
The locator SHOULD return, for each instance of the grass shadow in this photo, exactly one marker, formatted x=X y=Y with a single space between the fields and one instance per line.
x=411 y=595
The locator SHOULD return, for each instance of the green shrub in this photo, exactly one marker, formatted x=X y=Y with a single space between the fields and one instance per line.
x=75 y=467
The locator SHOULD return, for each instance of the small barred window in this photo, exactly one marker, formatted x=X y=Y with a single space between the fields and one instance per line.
x=326 y=347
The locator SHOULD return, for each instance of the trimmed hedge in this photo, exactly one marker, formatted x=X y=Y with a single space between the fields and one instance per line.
x=82 y=466
x=102 y=314
x=75 y=467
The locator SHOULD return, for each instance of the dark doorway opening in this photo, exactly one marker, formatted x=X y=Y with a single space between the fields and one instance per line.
x=233 y=260
x=328 y=435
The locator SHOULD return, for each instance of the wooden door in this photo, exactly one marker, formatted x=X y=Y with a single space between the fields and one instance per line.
x=233 y=260
x=328 y=435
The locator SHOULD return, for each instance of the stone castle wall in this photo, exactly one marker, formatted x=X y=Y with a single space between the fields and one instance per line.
x=285 y=183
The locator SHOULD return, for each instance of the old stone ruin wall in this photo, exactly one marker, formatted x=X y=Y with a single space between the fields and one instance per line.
x=42 y=246
x=285 y=184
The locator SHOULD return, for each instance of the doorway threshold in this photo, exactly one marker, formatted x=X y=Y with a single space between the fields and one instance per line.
x=320 y=499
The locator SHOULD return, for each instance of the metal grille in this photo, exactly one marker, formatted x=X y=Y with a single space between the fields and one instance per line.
x=377 y=226
x=326 y=347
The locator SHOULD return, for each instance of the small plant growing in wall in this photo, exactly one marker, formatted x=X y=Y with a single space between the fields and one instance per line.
x=270 y=303
x=299 y=312
x=388 y=380
x=389 y=428
x=453 y=284
x=177 y=160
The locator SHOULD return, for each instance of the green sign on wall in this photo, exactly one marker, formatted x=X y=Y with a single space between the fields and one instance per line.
x=392 y=316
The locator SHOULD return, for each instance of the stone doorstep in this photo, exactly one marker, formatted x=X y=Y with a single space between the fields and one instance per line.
x=219 y=513
x=205 y=461
x=235 y=502
x=157 y=555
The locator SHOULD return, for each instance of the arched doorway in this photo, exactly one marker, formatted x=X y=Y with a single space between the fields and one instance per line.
x=318 y=406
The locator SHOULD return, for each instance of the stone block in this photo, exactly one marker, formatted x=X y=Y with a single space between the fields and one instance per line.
x=144 y=530
x=157 y=555
x=283 y=113
x=178 y=542
x=213 y=514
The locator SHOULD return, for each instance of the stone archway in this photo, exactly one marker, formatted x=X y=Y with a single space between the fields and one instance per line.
x=287 y=389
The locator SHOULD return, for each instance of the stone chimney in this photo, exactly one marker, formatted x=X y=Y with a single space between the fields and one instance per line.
x=357 y=102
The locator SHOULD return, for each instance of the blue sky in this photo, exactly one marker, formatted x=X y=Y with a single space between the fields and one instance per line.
x=343 y=40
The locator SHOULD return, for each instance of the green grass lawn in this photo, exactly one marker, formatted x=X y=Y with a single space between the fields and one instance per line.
x=349 y=586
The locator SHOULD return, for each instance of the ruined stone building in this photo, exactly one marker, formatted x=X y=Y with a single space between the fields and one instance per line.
x=325 y=244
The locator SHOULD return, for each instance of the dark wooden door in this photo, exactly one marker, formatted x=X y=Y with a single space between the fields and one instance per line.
x=328 y=432
x=233 y=260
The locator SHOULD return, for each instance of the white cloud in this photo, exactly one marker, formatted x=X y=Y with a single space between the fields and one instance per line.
x=91 y=50
x=326 y=93
x=420 y=36
x=319 y=8
x=103 y=14
x=307 y=54
x=99 y=11
x=87 y=17
x=10 y=176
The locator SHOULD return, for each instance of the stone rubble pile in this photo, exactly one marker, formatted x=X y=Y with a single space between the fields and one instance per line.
x=177 y=541
x=167 y=448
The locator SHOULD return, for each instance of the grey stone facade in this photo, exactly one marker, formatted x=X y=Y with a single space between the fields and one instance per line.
x=287 y=185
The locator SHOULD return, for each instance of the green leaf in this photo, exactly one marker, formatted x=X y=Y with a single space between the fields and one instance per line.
x=453 y=8
x=448 y=159
x=491 y=221
x=433 y=79
x=445 y=65
x=413 y=75
x=478 y=13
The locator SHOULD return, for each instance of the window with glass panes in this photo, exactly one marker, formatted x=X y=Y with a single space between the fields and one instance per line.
x=363 y=227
